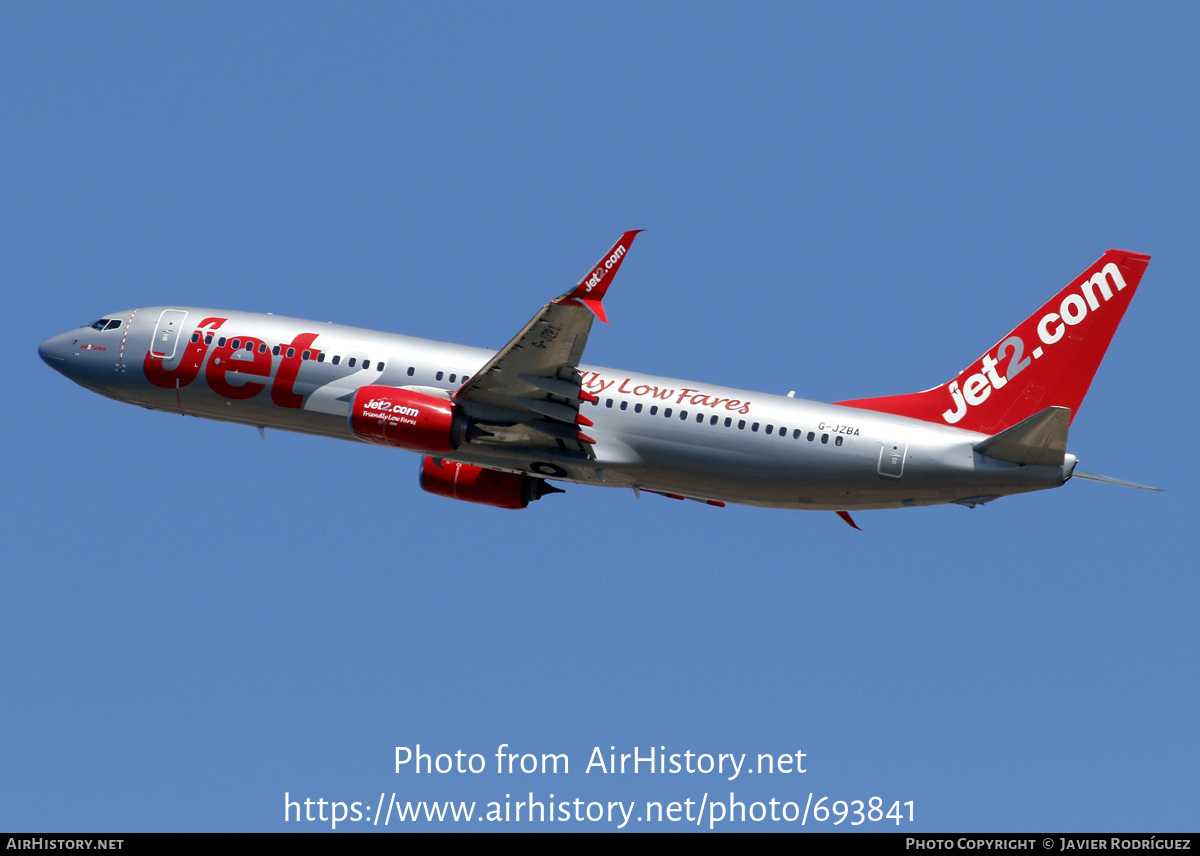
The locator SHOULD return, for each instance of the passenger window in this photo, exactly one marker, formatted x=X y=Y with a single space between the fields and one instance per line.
x=810 y=436
x=306 y=355
x=274 y=350
x=452 y=378
x=366 y=364
x=208 y=340
x=337 y=358
x=837 y=441
x=637 y=408
x=624 y=405
x=379 y=367
x=713 y=421
x=728 y=421
x=262 y=348
x=667 y=413
x=439 y=374
x=608 y=402
x=350 y=362
x=796 y=434
x=321 y=357
x=411 y=369
x=754 y=427
x=770 y=429
x=683 y=414
x=824 y=438
x=653 y=409
x=195 y=337
x=236 y=344
x=291 y=352
x=741 y=424
x=221 y=342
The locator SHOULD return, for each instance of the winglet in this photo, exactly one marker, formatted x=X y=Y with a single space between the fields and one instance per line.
x=591 y=289
x=845 y=515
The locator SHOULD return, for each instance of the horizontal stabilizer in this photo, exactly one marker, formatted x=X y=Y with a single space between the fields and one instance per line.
x=1107 y=480
x=1040 y=439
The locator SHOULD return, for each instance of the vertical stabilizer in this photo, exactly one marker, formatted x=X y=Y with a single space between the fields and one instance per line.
x=1049 y=360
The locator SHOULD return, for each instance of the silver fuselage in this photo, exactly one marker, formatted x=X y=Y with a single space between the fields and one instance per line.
x=676 y=437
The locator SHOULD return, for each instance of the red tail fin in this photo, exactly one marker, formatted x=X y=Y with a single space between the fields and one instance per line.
x=1048 y=360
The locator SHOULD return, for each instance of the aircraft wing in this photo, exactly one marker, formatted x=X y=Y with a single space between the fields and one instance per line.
x=528 y=394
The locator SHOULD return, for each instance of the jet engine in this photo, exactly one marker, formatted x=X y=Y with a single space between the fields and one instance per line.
x=478 y=484
x=406 y=419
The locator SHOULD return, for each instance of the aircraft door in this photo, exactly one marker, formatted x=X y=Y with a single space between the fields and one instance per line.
x=166 y=334
x=891 y=458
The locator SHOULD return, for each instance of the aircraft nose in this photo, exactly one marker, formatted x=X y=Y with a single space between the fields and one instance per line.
x=54 y=351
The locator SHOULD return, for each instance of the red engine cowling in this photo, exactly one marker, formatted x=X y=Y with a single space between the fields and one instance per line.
x=477 y=484
x=405 y=419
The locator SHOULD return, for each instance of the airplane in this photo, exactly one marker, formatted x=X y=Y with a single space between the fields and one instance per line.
x=496 y=427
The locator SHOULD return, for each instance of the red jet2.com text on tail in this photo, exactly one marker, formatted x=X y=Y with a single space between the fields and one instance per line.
x=1049 y=359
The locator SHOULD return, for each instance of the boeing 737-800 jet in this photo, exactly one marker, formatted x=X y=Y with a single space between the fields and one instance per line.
x=494 y=426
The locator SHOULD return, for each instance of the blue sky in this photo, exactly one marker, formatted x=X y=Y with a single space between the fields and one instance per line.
x=844 y=200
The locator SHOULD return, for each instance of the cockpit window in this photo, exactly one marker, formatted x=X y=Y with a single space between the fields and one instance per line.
x=107 y=324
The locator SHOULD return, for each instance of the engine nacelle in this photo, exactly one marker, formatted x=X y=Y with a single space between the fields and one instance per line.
x=406 y=419
x=478 y=484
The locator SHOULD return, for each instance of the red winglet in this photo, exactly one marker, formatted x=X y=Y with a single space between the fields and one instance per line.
x=592 y=288
x=584 y=395
x=580 y=419
x=596 y=306
x=584 y=438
